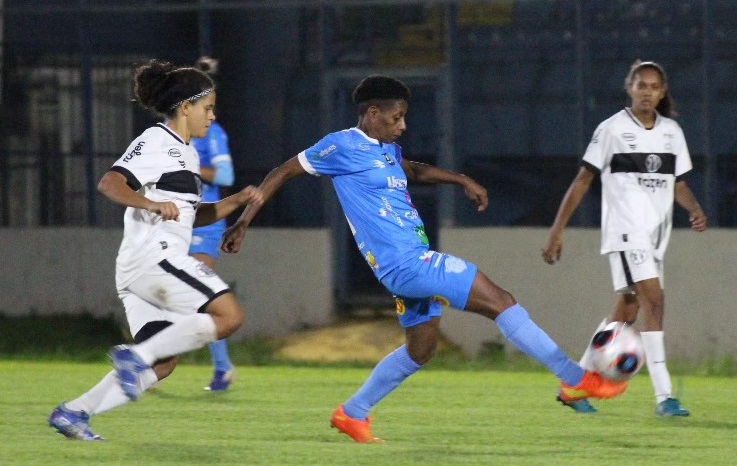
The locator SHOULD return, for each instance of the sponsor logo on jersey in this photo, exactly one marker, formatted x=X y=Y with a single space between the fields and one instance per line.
x=442 y=300
x=136 y=151
x=652 y=183
x=371 y=260
x=629 y=137
x=164 y=245
x=396 y=183
x=364 y=147
x=317 y=155
x=638 y=256
x=387 y=209
x=455 y=265
x=426 y=256
x=653 y=163
x=412 y=215
x=379 y=164
x=420 y=232
x=401 y=307
x=174 y=153
x=388 y=159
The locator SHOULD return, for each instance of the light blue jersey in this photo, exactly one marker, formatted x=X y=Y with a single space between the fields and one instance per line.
x=214 y=152
x=372 y=189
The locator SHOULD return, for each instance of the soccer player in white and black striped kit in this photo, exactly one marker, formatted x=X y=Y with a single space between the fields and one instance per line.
x=640 y=153
x=173 y=302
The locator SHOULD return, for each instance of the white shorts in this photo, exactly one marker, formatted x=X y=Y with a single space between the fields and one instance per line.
x=633 y=266
x=174 y=288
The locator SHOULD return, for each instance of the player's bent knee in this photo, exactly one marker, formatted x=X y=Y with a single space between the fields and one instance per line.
x=164 y=368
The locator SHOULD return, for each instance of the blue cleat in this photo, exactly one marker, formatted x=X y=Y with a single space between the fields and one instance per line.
x=221 y=380
x=671 y=407
x=579 y=406
x=128 y=366
x=72 y=424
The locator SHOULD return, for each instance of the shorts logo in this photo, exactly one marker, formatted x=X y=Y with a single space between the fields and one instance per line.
x=442 y=300
x=638 y=256
x=653 y=163
x=455 y=265
x=401 y=308
x=197 y=240
x=204 y=270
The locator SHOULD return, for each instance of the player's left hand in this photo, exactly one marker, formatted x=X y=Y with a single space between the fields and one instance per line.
x=252 y=195
x=477 y=194
x=698 y=221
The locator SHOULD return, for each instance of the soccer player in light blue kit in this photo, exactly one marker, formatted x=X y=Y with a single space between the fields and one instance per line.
x=216 y=167
x=370 y=177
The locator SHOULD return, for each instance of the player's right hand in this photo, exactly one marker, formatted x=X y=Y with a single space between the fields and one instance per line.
x=167 y=210
x=233 y=237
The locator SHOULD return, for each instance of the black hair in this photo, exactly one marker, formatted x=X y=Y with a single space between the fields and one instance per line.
x=207 y=64
x=376 y=88
x=667 y=106
x=161 y=87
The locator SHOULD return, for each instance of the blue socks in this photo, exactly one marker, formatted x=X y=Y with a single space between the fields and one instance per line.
x=387 y=375
x=219 y=353
x=517 y=326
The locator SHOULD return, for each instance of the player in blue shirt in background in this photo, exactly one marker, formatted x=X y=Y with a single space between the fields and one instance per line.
x=370 y=175
x=216 y=167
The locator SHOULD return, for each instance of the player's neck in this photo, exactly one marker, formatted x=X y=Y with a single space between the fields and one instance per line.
x=179 y=126
x=646 y=118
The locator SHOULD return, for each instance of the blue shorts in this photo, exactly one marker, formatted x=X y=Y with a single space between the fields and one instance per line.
x=424 y=286
x=205 y=243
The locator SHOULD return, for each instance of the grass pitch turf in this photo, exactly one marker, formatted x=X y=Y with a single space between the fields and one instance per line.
x=279 y=415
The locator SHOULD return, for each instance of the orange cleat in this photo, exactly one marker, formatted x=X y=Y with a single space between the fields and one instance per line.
x=360 y=431
x=592 y=385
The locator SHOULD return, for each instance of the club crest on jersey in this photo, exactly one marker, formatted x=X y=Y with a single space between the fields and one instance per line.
x=388 y=159
x=653 y=163
x=174 y=153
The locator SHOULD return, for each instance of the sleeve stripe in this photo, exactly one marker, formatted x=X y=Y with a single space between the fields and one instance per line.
x=302 y=157
x=129 y=177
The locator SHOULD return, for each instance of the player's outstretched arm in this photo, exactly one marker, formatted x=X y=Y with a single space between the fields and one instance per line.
x=572 y=199
x=233 y=236
x=114 y=186
x=685 y=198
x=210 y=212
x=430 y=174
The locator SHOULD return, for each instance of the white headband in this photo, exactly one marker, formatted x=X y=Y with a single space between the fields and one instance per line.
x=193 y=98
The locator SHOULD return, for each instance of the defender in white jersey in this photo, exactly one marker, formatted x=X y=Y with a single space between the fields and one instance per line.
x=173 y=302
x=641 y=156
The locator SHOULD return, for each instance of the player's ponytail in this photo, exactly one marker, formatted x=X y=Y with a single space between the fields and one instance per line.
x=162 y=87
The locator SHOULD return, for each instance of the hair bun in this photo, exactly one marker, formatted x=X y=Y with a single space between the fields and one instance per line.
x=207 y=64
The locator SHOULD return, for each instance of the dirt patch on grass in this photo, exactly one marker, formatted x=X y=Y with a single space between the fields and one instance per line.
x=365 y=340
x=356 y=340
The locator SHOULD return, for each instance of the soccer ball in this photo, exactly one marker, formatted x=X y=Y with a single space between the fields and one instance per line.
x=616 y=352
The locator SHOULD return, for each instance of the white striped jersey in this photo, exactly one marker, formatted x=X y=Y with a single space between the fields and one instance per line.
x=162 y=167
x=639 y=168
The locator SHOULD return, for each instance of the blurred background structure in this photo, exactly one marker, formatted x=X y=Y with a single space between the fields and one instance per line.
x=506 y=91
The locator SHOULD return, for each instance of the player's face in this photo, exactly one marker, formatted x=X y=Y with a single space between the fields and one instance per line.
x=647 y=90
x=201 y=116
x=388 y=121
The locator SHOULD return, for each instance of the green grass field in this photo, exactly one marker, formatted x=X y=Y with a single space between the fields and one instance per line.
x=279 y=415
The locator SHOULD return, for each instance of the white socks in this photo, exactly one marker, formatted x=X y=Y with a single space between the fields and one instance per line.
x=655 y=357
x=585 y=361
x=188 y=334
x=107 y=394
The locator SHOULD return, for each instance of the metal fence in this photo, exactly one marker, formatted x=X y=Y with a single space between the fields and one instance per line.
x=507 y=91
